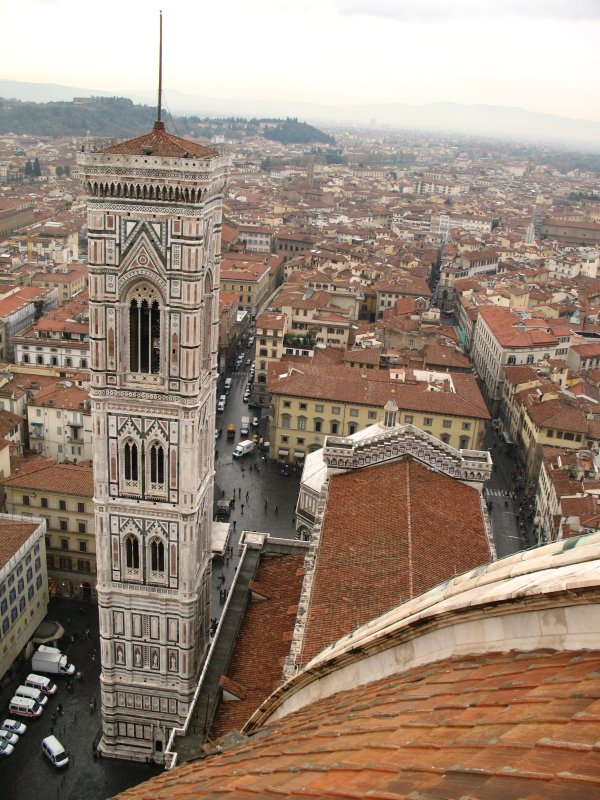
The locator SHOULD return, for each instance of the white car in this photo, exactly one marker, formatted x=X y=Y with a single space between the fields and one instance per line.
x=15 y=727
x=5 y=748
x=220 y=407
x=255 y=422
x=7 y=736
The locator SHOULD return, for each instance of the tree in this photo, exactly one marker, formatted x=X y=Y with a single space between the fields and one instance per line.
x=60 y=172
x=28 y=168
x=37 y=170
x=67 y=170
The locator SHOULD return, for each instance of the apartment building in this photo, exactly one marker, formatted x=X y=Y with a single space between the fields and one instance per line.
x=59 y=422
x=567 y=494
x=504 y=338
x=19 y=310
x=538 y=414
x=270 y=332
x=68 y=281
x=61 y=494
x=23 y=584
x=256 y=238
x=59 y=339
x=250 y=280
x=311 y=401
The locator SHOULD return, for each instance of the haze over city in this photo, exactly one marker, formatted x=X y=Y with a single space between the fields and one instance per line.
x=541 y=56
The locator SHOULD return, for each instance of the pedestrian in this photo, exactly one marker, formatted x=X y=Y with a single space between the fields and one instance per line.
x=222 y=492
x=91 y=708
x=266 y=504
x=247 y=496
x=234 y=524
x=59 y=708
x=94 y=703
x=242 y=509
x=276 y=510
x=53 y=717
x=239 y=492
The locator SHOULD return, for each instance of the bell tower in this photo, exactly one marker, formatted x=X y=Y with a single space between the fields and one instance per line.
x=154 y=230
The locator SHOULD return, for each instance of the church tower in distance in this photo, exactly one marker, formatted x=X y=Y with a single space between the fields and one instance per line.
x=154 y=230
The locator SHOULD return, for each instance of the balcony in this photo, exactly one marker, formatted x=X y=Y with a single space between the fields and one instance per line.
x=36 y=431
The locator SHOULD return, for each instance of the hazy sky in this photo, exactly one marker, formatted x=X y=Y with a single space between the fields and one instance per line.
x=542 y=55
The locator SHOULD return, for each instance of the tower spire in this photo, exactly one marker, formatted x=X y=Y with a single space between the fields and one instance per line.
x=159 y=123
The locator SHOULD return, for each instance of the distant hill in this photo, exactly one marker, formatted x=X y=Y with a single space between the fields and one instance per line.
x=479 y=120
x=100 y=116
x=119 y=117
x=293 y=132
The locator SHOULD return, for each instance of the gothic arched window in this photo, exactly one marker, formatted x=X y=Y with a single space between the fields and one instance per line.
x=144 y=331
x=157 y=464
x=131 y=461
x=157 y=556
x=132 y=552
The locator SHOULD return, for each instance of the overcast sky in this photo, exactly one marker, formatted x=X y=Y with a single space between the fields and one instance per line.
x=541 y=55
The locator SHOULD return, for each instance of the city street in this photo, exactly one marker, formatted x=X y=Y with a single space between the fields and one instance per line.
x=500 y=492
x=265 y=492
x=27 y=774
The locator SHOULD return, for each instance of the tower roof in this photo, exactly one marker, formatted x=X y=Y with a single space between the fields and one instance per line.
x=158 y=142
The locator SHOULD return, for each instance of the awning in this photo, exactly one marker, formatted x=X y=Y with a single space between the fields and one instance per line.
x=507 y=438
x=299 y=453
x=284 y=452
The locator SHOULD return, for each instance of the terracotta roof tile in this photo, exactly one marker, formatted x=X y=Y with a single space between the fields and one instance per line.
x=158 y=142
x=44 y=474
x=380 y=545
x=13 y=535
x=255 y=671
x=410 y=735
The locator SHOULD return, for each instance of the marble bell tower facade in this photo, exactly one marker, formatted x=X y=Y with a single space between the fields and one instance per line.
x=154 y=232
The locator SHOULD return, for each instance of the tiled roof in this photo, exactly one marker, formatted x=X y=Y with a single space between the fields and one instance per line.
x=158 y=142
x=255 y=671
x=13 y=535
x=348 y=385
x=46 y=475
x=380 y=544
x=510 y=726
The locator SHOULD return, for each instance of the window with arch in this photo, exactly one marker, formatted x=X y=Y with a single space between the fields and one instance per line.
x=207 y=324
x=157 y=558
x=132 y=553
x=463 y=442
x=144 y=330
x=445 y=437
x=301 y=423
x=130 y=455
x=286 y=420
x=157 y=463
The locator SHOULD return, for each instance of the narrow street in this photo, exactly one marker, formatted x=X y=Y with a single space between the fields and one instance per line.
x=500 y=491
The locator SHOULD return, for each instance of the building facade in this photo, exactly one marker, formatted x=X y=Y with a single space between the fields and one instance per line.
x=154 y=222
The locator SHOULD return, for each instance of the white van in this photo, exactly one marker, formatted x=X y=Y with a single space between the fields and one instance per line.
x=54 y=751
x=32 y=694
x=40 y=682
x=25 y=707
x=227 y=385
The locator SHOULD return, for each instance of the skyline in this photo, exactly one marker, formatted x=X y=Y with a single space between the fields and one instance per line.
x=541 y=57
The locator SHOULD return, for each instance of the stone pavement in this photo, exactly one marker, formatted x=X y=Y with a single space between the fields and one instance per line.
x=27 y=774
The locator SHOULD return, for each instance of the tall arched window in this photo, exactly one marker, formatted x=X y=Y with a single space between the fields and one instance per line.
x=157 y=556
x=144 y=330
x=132 y=552
x=131 y=461
x=157 y=464
x=207 y=324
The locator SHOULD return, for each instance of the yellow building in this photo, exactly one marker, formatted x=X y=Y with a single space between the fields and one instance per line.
x=311 y=401
x=62 y=495
x=250 y=280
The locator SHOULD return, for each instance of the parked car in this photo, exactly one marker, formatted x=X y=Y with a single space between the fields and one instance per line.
x=255 y=422
x=8 y=736
x=14 y=726
x=6 y=748
x=220 y=407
